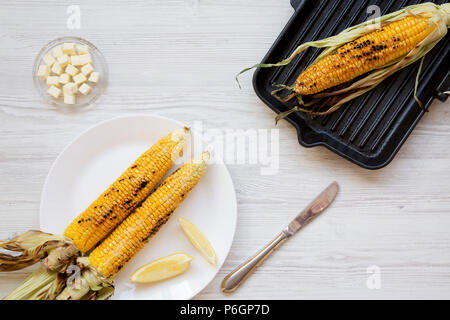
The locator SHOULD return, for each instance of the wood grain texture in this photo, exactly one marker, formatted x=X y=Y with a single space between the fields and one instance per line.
x=178 y=58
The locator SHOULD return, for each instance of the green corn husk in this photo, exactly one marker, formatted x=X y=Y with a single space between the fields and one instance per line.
x=55 y=278
x=438 y=15
x=33 y=285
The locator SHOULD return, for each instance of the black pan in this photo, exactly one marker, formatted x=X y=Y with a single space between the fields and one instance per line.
x=369 y=130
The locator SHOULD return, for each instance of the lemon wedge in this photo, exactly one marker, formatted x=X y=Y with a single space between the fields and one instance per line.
x=198 y=240
x=162 y=268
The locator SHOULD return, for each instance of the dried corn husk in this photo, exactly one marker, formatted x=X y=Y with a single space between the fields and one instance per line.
x=33 y=247
x=63 y=273
x=88 y=284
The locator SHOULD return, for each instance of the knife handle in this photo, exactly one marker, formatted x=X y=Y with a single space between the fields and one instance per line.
x=232 y=281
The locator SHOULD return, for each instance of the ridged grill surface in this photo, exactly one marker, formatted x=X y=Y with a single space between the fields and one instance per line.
x=370 y=129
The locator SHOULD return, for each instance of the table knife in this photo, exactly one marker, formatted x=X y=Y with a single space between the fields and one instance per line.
x=232 y=281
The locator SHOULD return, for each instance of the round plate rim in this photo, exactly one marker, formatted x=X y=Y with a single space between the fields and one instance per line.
x=73 y=141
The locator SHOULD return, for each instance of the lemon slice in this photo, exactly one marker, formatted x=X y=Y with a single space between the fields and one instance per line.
x=198 y=240
x=162 y=268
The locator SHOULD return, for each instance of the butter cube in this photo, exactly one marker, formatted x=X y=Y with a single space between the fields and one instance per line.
x=69 y=99
x=43 y=71
x=64 y=78
x=70 y=88
x=86 y=58
x=56 y=68
x=64 y=60
x=95 y=76
x=81 y=59
x=82 y=48
x=53 y=81
x=87 y=69
x=68 y=48
x=57 y=52
x=48 y=59
x=79 y=78
x=75 y=60
x=84 y=89
x=54 y=91
x=70 y=69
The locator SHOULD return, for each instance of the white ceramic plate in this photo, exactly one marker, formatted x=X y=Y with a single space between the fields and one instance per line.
x=98 y=156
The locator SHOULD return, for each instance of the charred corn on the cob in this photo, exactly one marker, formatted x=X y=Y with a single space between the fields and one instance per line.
x=131 y=235
x=364 y=54
x=131 y=188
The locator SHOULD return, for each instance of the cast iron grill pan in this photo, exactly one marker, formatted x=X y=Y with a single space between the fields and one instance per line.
x=369 y=130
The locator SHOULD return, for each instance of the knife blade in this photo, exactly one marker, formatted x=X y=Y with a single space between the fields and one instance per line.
x=233 y=280
x=316 y=207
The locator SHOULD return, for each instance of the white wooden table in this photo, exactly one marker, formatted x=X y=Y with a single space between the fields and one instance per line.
x=178 y=58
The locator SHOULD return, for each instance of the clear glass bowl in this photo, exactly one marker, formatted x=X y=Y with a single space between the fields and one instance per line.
x=82 y=101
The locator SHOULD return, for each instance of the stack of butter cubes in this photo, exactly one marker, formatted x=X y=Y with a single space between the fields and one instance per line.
x=68 y=70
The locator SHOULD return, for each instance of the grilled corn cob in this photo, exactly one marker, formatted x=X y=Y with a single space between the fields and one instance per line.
x=130 y=189
x=132 y=234
x=364 y=54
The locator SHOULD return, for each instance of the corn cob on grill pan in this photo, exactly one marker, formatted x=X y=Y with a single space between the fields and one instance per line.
x=369 y=130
